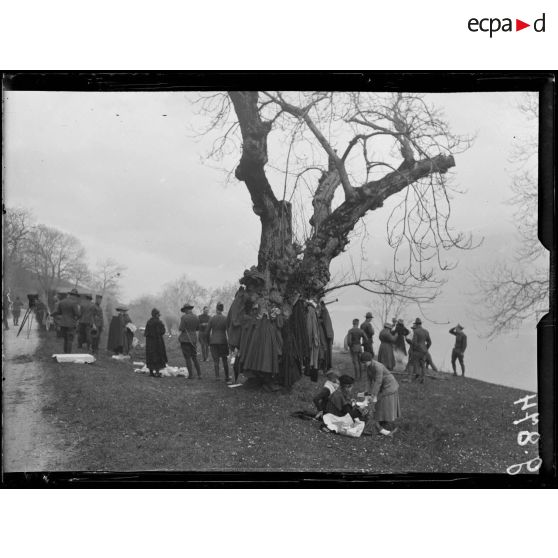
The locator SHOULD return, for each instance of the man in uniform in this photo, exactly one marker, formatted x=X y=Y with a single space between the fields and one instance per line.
x=202 y=335
x=68 y=313
x=420 y=345
x=17 y=305
x=458 y=352
x=84 y=326
x=368 y=332
x=189 y=327
x=97 y=324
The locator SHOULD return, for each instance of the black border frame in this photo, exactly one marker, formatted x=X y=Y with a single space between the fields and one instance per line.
x=416 y=81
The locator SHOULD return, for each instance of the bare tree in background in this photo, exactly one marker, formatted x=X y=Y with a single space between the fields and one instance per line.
x=391 y=305
x=337 y=157
x=53 y=256
x=18 y=224
x=514 y=291
x=183 y=290
x=106 y=277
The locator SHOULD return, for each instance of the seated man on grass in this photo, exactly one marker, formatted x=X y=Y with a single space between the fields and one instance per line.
x=322 y=397
x=340 y=402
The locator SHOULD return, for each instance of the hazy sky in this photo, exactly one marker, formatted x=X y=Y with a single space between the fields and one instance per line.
x=124 y=173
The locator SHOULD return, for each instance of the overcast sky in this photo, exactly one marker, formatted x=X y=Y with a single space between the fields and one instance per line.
x=124 y=173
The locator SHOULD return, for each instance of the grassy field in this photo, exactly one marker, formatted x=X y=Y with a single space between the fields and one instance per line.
x=111 y=418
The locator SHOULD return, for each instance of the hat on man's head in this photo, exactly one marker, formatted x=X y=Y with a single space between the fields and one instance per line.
x=346 y=380
x=418 y=321
x=368 y=315
x=187 y=306
x=155 y=312
x=388 y=325
x=400 y=321
x=73 y=292
x=122 y=309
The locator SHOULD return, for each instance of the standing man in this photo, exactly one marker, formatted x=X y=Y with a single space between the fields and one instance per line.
x=202 y=335
x=368 y=332
x=354 y=337
x=217 y=336
x=68 y=313
x=97 y=324
x=458 y=352
x=17 y=305
x=189 y=327
x=84 y=326
x=6 y=303
x=420 y=344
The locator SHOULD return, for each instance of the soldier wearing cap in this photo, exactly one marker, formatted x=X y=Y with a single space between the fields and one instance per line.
x=458 y=352
x=340 y=402
x=68 y=313
x=368 y=329
x=84 y=325
x=189 y=327
x=420 y=344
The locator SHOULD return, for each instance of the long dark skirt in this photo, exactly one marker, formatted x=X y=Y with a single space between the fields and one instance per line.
x=155 y=353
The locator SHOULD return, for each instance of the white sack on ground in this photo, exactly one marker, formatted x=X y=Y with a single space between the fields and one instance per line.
x=345 y=425
x=75 y=358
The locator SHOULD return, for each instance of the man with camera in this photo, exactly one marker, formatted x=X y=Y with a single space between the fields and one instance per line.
x=68 y=313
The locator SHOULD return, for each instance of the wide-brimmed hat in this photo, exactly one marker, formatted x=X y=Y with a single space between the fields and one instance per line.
x=388 y=325
x=346 y=380
x=368 y=315
x=73 y=292
x=122 y=309
x=187 y=306
x=418 y=321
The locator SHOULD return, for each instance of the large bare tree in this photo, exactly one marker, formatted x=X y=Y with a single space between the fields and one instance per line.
x=52 y=256
x=342 y=155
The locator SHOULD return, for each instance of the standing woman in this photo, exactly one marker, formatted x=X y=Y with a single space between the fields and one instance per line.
x=385 y=353
x=155 y=351
x=189 y=327
x=216 y=332
x=384 y=389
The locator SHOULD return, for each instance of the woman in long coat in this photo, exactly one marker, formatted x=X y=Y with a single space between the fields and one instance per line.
x=155 y=350
x=385 y=353
x=384 y=389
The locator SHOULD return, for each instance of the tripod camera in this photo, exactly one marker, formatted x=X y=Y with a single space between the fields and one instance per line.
x=28 y=317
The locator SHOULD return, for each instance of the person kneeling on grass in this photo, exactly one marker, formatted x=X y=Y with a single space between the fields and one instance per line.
x=340 y=402
x=384 y=389
x=322 y=397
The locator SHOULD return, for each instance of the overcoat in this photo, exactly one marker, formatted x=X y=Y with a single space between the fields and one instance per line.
x=155 y=350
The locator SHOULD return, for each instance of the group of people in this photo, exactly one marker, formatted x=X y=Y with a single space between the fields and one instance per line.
x=336 y=398
x=393 y=338
x=74 y=313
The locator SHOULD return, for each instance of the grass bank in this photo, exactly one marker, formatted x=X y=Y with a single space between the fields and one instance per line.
x=111 y=418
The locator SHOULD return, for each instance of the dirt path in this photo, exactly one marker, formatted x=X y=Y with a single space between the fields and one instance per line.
x=29 y=440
